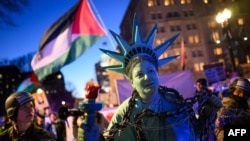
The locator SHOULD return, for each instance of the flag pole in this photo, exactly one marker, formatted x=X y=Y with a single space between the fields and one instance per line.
x=102 y=23
x=182 y=55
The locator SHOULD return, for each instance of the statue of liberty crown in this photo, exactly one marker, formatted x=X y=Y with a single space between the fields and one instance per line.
x=139 y=48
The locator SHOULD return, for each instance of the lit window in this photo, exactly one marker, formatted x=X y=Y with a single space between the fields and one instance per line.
x=193 y=39
x=221 y=60
x=240 y=21
x=201 y=66
x=164 y=55
x=158 y=42
x=196 y=67
x=196 y=39
x=211 y=24
x=152 y=3
x=1 y=76
x=215 y=36
x=169 y=2
x=190 y=39
x=218 y=51
x=248 y=58
x=185 y=1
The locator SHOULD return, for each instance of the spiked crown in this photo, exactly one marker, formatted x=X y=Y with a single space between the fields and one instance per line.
x=139 y=47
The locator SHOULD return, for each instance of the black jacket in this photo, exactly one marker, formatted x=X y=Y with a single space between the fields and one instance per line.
x=33 y=133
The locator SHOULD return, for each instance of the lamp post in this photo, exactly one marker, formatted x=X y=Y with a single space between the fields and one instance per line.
x=223 y=18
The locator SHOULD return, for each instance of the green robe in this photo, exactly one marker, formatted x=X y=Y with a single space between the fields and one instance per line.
x=176 y=128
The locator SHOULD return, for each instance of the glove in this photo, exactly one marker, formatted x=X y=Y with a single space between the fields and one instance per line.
x=86 y=133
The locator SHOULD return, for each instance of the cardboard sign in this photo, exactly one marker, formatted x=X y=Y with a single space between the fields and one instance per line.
x=214 y=72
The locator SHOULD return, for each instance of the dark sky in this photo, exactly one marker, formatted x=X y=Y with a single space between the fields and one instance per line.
x=37 y=18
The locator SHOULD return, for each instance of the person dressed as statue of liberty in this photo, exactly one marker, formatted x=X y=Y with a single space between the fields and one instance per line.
x=152 y=112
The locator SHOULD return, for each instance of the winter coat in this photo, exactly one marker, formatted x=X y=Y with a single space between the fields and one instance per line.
x=233 y=112
x=33 y=133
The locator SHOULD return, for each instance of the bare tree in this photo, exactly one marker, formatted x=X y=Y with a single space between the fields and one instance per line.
x=8 y=8
x=70 y=87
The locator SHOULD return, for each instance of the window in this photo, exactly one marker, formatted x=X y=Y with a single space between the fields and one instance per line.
x=240 y=21
x=169 y=15
x=193 y=39
x=152 y=3
x=194 y=54
x=218 y=51
x=173 y=15
x=178 y=28
x=161 y=29
x=211 y=24
x=191 y=26
x=216 y=37
x=221 y=60
x=198 y=66
x=201 y=66
x=185 y=1
x=196 y=39
x=164 y=55
x=248 y=58
x=176 y=14
x=188 y=13
x=169 y=2
x=175 y=28
x=200 y=53
x=159 y=16
x=155 y=16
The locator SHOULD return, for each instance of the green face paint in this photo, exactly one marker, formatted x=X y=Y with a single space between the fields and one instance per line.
x=145 y=79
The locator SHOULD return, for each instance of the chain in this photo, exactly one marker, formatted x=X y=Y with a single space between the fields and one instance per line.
x=118 y=127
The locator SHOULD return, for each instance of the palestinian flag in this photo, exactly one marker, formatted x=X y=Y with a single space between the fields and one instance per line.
x=30 y=84
x=67 y=39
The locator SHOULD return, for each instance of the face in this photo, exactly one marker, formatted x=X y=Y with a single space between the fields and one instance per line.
x=145 y=79
x=241 y=93
x=26 y=113
x=198 y=86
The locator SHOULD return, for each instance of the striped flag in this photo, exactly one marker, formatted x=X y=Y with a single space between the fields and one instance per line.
x=183 y=63
x=67 y=39
x=30 y=84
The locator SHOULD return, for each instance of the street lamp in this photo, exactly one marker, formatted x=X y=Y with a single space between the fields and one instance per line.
x=223 y=18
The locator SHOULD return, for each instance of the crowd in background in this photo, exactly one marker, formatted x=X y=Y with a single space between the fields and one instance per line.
x=233 y=109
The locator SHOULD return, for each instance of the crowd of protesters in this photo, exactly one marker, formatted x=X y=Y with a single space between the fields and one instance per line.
x=23 y=122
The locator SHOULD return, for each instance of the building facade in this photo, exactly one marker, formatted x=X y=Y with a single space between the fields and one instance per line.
x=204 y=39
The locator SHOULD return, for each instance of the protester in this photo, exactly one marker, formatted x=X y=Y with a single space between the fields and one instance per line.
x=56 y=127
x=153 y=112
x=208 y=106
x=20 y=110
x=235 y=110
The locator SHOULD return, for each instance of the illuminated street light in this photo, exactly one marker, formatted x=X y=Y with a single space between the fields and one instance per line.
x=223 y=18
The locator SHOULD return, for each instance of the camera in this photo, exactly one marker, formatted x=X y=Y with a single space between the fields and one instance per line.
x=64 y=112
